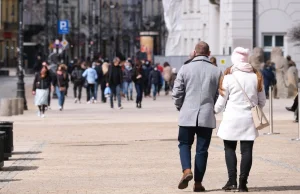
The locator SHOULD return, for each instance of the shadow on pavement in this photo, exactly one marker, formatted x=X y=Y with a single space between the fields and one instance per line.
x=19 y=168
x=10 y=159
x=21 y=153
x=275 y=188
x=9 y=180
x=95 y=145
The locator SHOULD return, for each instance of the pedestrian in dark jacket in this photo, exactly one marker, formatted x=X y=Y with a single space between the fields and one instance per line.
x=41 y=87
x=155 y=78
x=78 y=81
x=98 y=69
x=147 y=86
x=60 y=83
x=138 y=76
x=38 y=64
x=269 y=77
x=115 y=81
x=127 y=80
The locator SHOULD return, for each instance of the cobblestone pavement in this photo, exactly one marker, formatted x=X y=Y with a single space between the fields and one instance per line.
x=89 y=148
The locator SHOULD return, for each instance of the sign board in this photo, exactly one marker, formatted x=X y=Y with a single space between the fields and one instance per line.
x=64 y=43
x=63 y=27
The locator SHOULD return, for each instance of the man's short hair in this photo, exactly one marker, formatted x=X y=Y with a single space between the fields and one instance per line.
x=202 y=48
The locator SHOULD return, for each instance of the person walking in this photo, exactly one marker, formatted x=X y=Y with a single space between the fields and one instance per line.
x=167 y=74
x=147 y=86
x=41 y=89
x=237 y=124
x=269 y=77
x=194 y=92
x=78 y=81
x=213 y=60
x=127 y=78
x=98 y=69
x=115 y=81
x=91 y=76
x=60 y=83
x=138 y=77
x=155 y=80
x=103 y=80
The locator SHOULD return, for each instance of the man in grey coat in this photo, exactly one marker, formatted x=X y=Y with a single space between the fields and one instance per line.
x=194 y=92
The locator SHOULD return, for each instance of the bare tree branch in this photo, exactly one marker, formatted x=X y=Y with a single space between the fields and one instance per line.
x=294 y=33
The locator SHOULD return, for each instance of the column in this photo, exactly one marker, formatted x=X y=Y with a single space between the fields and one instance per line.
x=214 y=28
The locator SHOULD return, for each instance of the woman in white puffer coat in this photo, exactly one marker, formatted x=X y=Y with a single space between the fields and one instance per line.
x=237 y=124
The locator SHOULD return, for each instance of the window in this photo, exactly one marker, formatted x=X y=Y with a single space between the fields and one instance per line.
x=267 y=40
x=270 y=41
x=278 y=40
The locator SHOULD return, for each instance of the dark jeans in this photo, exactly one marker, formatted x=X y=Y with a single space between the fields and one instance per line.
x=115 y=91
x=60 y=96
x=147 y=88
x=167 y=87
x=231 y=161
x=90 y=90
x=79 y=88
x=155 y=89
x=186 y=140
x=139 y=92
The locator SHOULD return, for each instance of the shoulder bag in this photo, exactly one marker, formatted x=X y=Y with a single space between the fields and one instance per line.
x=259 y=118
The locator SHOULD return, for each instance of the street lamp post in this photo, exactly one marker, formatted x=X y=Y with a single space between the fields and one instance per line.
x=110 y=31
x=78 y=37
x=46 y=28
x=20 y=83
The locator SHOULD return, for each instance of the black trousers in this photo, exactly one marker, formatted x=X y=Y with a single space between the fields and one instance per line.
x=90 y=90
x=79 y=88
x=231 y=160
x=49 y=96
x=103 y=86
x=295 y=104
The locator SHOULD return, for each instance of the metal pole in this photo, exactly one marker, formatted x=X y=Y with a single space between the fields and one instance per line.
x=110 y=36
x=20 y=83
x=298 y=139
x=78 y=37
x=271 y=132
x=100 y=27
x=57 y=17
x=46 y=28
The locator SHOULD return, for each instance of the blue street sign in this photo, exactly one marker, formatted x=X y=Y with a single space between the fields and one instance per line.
x=63 y=27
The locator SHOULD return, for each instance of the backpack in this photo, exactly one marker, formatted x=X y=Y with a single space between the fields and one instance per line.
x=77 y=76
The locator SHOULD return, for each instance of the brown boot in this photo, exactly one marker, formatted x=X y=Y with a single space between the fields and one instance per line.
x=198 y=187
x=187 y=176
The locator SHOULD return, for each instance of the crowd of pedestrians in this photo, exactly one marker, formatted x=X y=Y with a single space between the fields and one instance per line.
x=118 y=78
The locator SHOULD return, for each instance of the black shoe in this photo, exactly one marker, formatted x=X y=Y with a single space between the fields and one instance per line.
x=243 y=185
x=131 y=98
x=229 y=186
x=289 y=109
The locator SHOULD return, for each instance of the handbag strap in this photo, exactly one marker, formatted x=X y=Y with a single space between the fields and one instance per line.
x=248 y=99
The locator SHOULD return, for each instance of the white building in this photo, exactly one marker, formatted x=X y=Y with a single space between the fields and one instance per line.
x=230 y=23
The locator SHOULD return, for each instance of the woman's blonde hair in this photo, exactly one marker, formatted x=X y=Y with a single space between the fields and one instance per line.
x=260 y=80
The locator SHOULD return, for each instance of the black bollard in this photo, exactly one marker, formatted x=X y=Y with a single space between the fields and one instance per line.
x=7 y=127
x=2 y=136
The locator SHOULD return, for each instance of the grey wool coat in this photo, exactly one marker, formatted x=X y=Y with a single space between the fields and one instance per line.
x=194 y=93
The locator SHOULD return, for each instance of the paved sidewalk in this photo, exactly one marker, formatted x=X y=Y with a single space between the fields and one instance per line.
x=89 y=148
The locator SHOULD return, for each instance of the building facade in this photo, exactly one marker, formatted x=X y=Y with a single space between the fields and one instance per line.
x=227 y=24
x=8 y=32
